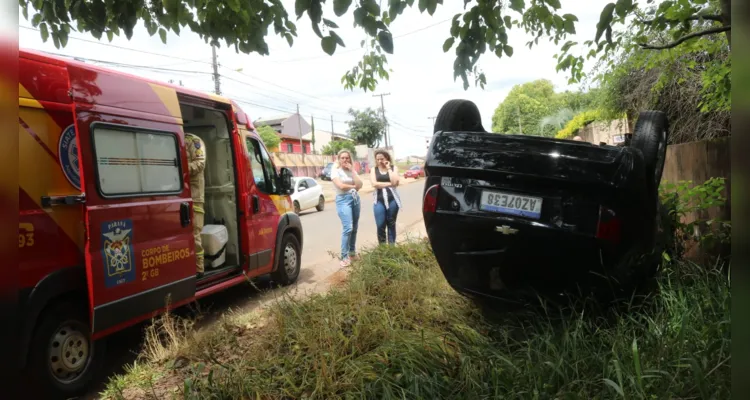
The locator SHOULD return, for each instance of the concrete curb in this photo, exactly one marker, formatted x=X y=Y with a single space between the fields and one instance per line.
x=370 y=189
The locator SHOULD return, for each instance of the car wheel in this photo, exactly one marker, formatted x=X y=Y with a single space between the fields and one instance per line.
x=321 y=204
x=296 y=207
x=289 y=261
x=650 y=137
x=459 y=115
x=63 y=359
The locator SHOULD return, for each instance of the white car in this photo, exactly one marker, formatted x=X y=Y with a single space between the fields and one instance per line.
x=307 y=194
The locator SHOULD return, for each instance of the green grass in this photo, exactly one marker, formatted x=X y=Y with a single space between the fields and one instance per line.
x=397 y=330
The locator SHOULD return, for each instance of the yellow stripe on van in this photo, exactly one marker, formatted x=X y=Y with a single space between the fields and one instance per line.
x=168 y=97
x=37 y=176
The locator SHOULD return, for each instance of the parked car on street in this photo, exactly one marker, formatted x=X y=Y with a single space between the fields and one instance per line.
x=307 y=194
x=415 y=171
x=508 y=213
x=325 y=174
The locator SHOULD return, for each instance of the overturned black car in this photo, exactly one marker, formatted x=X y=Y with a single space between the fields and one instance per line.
x=508 y=213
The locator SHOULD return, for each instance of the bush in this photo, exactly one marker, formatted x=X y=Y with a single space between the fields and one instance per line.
x=577 y=123
x=684 y=199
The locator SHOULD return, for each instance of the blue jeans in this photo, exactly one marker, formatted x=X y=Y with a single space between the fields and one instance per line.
x=386 y=219
x=348 y=212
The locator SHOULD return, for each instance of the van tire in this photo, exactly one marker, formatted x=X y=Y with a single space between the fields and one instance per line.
x=65 y=327
x=650 y=136
x=460 y=116
x=289 y=262
x=321 y=204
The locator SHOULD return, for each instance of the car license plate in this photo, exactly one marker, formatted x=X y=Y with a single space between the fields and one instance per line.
x=512 y=204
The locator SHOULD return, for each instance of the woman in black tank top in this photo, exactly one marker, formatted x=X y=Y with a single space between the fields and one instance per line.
x=384 y=177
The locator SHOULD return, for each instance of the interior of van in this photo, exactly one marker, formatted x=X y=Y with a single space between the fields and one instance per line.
x=221 y=245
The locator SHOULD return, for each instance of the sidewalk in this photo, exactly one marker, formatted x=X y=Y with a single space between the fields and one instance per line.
x=330 y=194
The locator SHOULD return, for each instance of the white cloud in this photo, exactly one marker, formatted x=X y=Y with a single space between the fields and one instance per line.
x=421 y=81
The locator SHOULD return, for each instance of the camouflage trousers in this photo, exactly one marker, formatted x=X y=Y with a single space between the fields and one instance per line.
x=197 y=229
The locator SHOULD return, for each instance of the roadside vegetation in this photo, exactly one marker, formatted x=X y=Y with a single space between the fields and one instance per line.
x=395 y=329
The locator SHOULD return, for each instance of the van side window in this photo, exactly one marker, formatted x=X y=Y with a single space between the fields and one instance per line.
x=132 y=161
x=270 y=171
x=256 y=163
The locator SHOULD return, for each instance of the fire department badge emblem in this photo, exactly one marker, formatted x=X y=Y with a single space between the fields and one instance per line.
x=117 y=252
x=67 y=154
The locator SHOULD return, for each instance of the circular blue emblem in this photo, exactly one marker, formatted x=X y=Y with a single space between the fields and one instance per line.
x=67 y=153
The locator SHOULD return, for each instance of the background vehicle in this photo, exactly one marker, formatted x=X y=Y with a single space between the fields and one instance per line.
x=307 y=194
x=325 y=174
x=506 y=213
x=415 y=171
x=106 y=213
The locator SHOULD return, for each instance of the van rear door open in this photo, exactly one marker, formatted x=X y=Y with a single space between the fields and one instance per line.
x=139 y=251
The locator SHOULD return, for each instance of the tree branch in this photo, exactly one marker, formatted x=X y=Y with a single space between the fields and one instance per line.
x=685 y=38
x=716 y=18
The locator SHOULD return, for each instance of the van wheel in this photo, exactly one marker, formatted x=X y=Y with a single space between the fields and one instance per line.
x=63 y=358
x=321 y=204
x=296 y=207
x=289 y=262
x=650 y=137
x=459 y=115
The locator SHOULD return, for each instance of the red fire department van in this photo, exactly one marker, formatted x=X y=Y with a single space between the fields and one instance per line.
x=105 y=233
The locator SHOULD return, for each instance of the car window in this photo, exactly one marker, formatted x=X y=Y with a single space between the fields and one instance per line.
x=311 y=183
x=303 y=183
x=414 y=167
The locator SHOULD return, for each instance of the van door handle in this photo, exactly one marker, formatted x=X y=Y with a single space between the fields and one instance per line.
x=256 y=204
x=184 y=214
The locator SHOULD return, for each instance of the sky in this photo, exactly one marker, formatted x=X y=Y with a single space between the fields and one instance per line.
x=303 y=75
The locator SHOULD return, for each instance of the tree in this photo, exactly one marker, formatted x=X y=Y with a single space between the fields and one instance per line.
x=269 y=136
x=366 y=127
x=483 y=27
x=333 y=147
x=534 y=108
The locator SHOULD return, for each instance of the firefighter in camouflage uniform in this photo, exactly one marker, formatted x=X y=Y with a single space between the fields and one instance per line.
x=196 y=151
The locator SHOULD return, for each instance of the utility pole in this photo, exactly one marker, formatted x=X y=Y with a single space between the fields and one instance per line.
x=312 y=124
x=299 y=126
x=518 y=108
x=214 y=62
x=332 y=131
x=387 y=125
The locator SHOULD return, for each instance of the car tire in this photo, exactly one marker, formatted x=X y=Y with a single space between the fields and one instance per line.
x=61 y=346
x=459 y=115
x=650 y=137
x=321 y=204
x=296 y=207
x=289 y=262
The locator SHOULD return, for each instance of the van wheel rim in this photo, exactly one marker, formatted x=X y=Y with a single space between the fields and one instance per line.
x=290 y=259
x=69 y=353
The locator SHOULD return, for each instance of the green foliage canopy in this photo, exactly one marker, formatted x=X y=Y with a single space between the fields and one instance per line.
x=366 y=127
x=334 y=146
x=269 y=136
x=484 y=26
x=535 y=108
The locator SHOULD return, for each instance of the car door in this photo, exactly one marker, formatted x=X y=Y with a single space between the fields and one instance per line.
x=313 y=191
x=304 y=194
x=139 y=248
x=265 y=215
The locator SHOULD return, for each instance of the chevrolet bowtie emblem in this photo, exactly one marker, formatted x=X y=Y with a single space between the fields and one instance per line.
x=506 y=230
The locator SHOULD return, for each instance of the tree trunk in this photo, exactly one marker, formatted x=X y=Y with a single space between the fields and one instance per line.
x=726 y=16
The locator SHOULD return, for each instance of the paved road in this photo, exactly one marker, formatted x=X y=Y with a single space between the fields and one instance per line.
x=322 y=230
x=322 y=233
